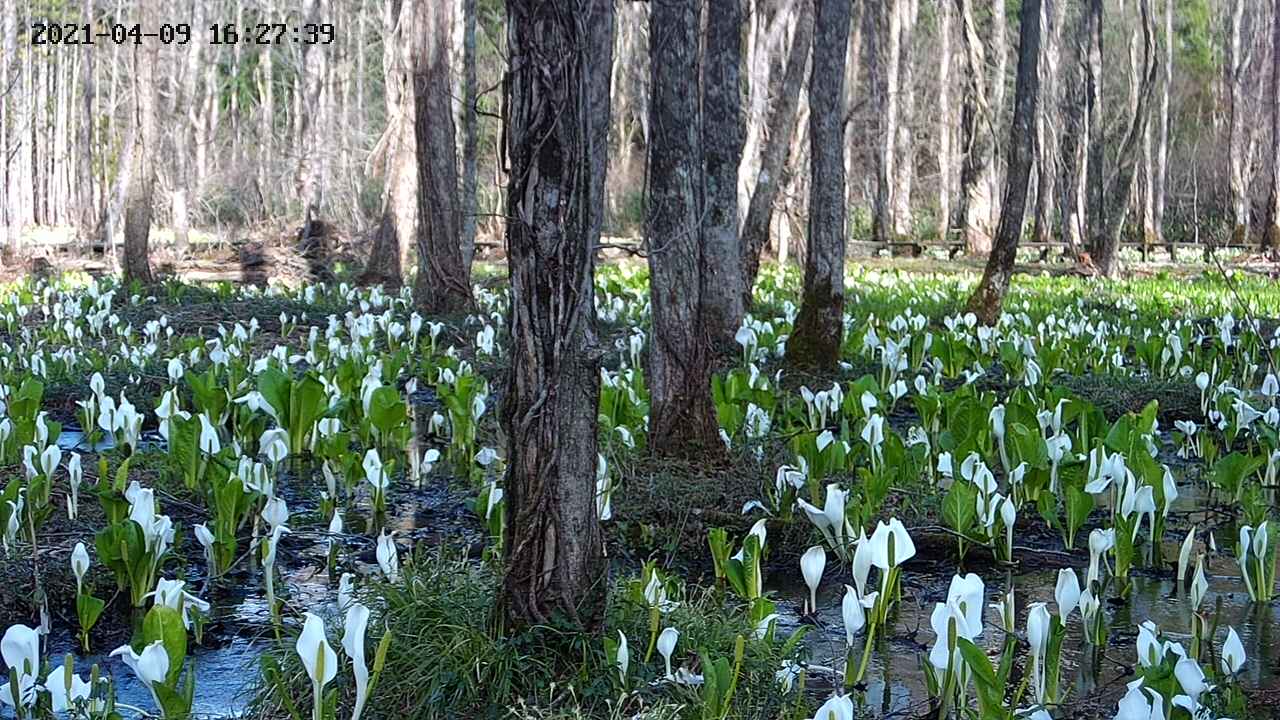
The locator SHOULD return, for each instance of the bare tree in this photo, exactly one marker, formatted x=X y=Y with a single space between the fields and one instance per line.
x=443 y=284
x=1162 y=148
x=1052 y=19
x=683 y=421
x=722 y=282
x=819 y=327
x=989 y=295
x=557 y=142
x=139 y=198
x=780 y=130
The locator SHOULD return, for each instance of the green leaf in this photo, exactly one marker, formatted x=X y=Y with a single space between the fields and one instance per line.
x=959 y=507
x=165 y=624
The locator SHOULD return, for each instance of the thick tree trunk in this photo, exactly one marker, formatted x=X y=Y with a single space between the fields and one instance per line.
x=970 y=218
x=780 y=129
x=1271 y=238
x=989 y=296
x=682 y=416
x=443 y=284
x=819 y=327
x=557 y=145
x=139 y=197
x=722 y=283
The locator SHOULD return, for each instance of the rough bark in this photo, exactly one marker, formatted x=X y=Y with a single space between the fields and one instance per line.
x=722 y=283
x=682 y=415
x=781 y=127
x=887 y=75
x=970 y=218
x=310 y=175
x=443 y=284
x=819 y=327
x=557 y=91
x=1271 y=238
x=139 y=196
x=989 y=295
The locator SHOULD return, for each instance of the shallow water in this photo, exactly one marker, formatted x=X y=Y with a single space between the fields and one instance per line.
x=895 y=685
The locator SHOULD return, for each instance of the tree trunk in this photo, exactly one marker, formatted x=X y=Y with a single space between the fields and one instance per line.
x=887 y=74
x=1052 y=20
x=87 y=215
x=443 y=284
x=1162 y=150
x=780 y=129
x=310 y=174
x=1236 y=66
x=1120 y=191
x=138 y=199
x=722 y=283
x=945 y=131
x=1095 y=132
x=470 y=132
x=394 y=155
x=989 y=295
x=682 y=416
x=819 y=327
x=970 y=219
x=904 y=142
x=557 y=145
x=1271 y=238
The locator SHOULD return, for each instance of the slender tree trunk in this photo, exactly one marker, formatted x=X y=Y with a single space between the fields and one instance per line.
x=722 y=283
x=1120 y=191
x=970 y=219
x=766 y=61
x=310 y=118
x=87 y=215
x=1052 y=16
x=1162 y=151
x=819 y=327
x=904 y=143
x=8 y=22
x=470 y=132
x=443 y=284
x=989 y=295
x=888 y=74
x=138 y=202
x=781 y=128
x=1236 y=68
x=1271 y=238
x=557 y=144
x=682 y=416
x=394 y=155
x=999 y=91
x=1095 y=190
x=945 y=120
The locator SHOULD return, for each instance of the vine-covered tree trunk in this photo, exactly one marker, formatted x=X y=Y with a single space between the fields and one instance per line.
x=557 y=144
x=819 y=328
x=139 y=196
x=682 y=415
x=780 y=126
x=722 y=283
x=989 y=295
x=443 y=284
x=1271 y=238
